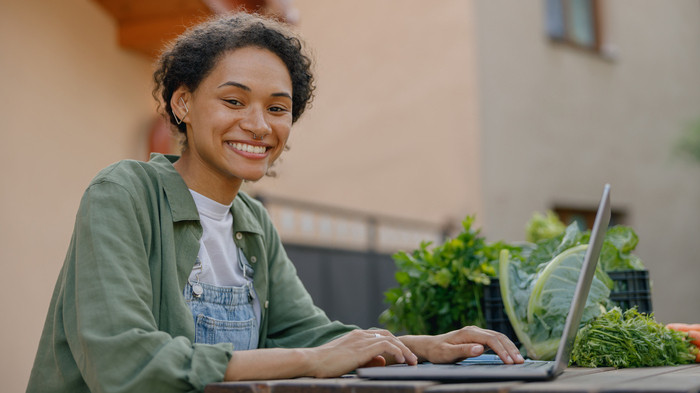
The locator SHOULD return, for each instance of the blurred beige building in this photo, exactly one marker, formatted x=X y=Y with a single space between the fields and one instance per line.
x=424 y=110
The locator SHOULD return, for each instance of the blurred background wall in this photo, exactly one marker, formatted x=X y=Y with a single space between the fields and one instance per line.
x=425 y=110
x=559 y=120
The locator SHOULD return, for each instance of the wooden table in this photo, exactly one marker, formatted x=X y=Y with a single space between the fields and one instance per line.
x=680 y=379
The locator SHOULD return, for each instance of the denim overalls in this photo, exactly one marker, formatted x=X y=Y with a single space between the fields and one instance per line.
x=223 y=314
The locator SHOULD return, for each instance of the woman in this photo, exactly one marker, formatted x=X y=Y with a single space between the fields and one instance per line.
x=171 y=268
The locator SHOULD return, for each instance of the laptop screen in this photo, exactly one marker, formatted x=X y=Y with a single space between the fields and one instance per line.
x=583 y=285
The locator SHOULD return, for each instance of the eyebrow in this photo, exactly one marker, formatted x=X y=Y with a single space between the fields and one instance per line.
x=246 y=88
x=236 y=84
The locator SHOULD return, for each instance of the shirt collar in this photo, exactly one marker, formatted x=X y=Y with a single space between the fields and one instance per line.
x=244 y=220
x=182 y=204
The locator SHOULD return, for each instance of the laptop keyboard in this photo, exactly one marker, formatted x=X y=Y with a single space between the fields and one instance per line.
x=528 y=364
x=493 y=360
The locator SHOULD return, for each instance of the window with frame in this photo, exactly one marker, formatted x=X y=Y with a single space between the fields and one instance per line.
x=586 y=216
x=574 y=22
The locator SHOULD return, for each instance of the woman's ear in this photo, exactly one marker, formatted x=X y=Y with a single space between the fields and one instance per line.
x=178 y=104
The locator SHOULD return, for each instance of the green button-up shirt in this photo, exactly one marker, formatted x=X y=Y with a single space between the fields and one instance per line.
x=118 y=322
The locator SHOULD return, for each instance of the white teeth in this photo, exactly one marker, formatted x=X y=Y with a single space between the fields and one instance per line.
x=248 y=148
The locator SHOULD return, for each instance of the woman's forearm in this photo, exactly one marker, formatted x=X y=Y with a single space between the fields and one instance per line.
x=356 y=349
x=270 y=363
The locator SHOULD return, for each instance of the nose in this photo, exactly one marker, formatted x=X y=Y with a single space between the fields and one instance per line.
x=254 y=121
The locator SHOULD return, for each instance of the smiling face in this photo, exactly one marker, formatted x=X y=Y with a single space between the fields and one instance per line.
x=247 y=93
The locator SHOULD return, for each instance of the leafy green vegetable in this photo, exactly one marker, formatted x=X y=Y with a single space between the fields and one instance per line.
x=441 y=289
x=545 y=250
x=537 y=304
x=543 y=227
x=616 y=254
x=630 y=339
x=537 y=285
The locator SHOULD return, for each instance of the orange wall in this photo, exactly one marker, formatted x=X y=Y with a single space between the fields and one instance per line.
x=71 y=103
x=393 y=125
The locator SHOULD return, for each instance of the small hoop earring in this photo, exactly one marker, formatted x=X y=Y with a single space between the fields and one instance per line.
x=187 y=110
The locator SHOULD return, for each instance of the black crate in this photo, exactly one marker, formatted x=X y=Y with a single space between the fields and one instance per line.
x=494 y=312
x=631 y=288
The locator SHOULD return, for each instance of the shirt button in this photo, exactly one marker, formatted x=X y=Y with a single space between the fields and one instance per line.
x=267 y=303
x=253 y=259
x=239 y=235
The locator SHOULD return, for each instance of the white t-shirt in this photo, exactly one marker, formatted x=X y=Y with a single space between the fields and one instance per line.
x=218 y=253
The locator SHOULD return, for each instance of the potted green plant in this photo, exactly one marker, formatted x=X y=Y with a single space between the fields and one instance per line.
x=440 y=288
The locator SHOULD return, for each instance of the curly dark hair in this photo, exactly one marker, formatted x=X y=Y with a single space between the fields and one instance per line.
x=192 y=56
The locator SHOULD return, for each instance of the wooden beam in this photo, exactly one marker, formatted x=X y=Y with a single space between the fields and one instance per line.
x=149 y=36
x=130 y=10
x=147 y=25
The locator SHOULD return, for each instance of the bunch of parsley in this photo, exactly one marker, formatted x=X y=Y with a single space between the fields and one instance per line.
x=440 y=288
x=630 y=339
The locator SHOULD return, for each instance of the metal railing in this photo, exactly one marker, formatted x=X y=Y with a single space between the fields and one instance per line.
x=308 y=223
x=344 y=256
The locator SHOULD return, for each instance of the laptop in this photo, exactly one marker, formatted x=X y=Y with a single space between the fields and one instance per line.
x=482 y=368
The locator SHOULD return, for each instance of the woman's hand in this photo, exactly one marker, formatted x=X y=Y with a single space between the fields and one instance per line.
x=460 y=344
x=359 y=348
